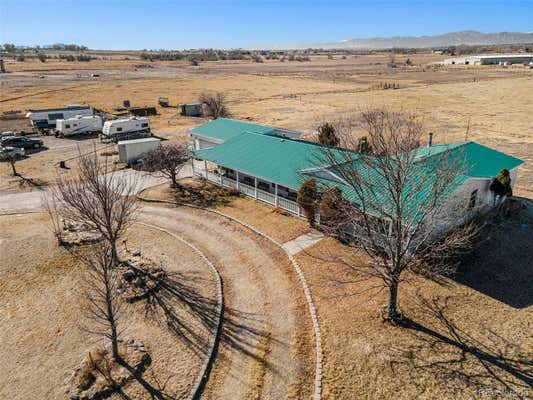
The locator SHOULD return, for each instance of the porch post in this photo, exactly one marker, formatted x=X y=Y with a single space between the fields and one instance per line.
x=192 y=164
x=220 y=176
x=276 y=194
x=205 y=167
x=237 y=178
x=255 y=186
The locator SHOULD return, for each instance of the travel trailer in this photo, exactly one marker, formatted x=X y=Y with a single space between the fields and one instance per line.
x=128 y=128
x=78 y=125
x=45 y=119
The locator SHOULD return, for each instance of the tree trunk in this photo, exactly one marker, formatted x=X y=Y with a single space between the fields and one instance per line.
x=174 y=183
x=393 y=315
x=114 y=253
x=114 y=341
x=13 y=168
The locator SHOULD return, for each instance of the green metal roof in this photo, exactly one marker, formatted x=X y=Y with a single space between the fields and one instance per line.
x=272 y=158
x=225 y=129
x=282 y=161
x=481 y=161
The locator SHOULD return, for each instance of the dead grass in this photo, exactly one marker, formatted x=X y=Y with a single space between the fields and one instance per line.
x=273 y=221
x=41 y=296
x=495 y=101
x=460 y=343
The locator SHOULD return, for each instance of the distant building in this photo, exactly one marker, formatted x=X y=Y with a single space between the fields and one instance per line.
x=495 y=59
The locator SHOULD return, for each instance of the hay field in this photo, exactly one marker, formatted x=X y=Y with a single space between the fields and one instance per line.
x=495 y=102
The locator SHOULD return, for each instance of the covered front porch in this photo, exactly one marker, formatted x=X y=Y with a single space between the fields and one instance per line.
x=251 y=186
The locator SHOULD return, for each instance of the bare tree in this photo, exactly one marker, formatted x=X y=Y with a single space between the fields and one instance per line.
x=168 y=160
x=215 y=103
x=12 y=160
x=103 y=306
x=98 y=198
x=51 y=206
x=396 y=204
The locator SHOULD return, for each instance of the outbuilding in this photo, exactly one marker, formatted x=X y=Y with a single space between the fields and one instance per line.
x=192 y=109
x=493 y=59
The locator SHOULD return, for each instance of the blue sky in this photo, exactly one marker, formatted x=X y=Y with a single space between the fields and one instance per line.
x=155 y=24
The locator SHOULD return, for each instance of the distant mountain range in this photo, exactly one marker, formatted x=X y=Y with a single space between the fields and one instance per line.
x=447 y=39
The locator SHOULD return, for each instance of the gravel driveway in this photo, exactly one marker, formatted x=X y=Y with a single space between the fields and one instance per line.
x=265 y=350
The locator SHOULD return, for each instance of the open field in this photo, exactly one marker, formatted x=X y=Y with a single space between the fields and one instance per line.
x=467 y=337
x=495 y=102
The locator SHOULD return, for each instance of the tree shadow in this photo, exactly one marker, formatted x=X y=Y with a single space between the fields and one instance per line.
x=177 y=290
x=501 y=267
x=156 y=391
x=491 y=365
x=33 y=183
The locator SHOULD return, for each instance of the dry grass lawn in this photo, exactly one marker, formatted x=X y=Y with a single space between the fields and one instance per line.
x=40 y=314
x=470 y=337
x=273 y=221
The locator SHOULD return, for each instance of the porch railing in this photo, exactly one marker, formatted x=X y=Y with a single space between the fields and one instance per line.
x=266 y=197
x=288 y=205
x=251 y=191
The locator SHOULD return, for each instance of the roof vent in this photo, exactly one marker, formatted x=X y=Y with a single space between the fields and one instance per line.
x=430 y=139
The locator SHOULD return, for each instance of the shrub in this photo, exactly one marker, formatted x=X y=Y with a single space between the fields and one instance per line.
x=307 y=200
x=327 y=136
x=330 y=208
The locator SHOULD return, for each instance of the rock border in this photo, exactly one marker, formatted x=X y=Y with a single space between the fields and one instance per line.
x=310 y=303
x=206 y=367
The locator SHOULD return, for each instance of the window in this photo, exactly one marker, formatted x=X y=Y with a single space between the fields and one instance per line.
x=67 y=126
x=53 y=117
x=145 y=125
x=472 y=201
x=119 y=129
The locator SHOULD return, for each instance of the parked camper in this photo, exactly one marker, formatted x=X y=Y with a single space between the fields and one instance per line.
x=132 y=151
x=128 y=128
x=45 y=119
x=78 y=125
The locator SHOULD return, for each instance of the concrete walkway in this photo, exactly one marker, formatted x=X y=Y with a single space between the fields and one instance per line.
x=303 y=242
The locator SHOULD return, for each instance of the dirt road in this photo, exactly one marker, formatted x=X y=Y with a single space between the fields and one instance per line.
x=265 y=350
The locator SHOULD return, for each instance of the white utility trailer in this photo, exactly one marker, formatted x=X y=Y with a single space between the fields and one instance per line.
x=78 y=125
x=133 y=151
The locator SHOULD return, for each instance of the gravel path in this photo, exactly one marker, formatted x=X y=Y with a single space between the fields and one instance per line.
x=260 y=354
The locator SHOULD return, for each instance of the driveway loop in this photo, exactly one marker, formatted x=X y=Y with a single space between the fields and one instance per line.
x=310 y=304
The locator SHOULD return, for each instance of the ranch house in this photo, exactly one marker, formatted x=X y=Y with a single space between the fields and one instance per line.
x=269 y=164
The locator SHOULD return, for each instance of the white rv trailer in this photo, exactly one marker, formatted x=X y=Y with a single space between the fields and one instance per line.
x=78 y=125
x=132 y=151
x=126 y=128
x=46 y=118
